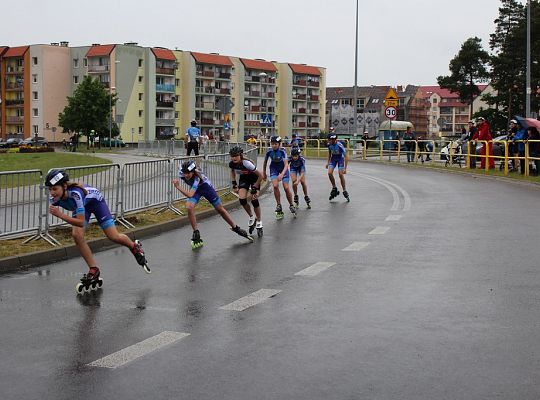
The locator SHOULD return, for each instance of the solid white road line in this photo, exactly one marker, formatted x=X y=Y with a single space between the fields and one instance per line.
x=356 y=246
x=393 y=218
x=137 y=350
x=380 y=230
x=250 y=300
x=315 y=269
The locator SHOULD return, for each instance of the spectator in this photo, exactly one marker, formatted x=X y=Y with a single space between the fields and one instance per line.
x=365 y=137
x=518 y=141
x=513 y=151
x=534 y=147
x=192 y=138
x=484 y=134
x=471 y=136
x=410 y=143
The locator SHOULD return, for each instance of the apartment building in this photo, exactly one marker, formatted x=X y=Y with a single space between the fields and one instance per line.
x=35 y=84
x=159 y=91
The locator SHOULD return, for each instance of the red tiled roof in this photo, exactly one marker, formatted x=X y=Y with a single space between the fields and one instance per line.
x=259 y=65
x=215 y=59
x=163 y=54
x=16 y=51
x=2 y=49
x=427 y=91
x=100 y=50
x=305 y=69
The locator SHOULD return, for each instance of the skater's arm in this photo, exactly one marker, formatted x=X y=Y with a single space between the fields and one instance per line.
x=188 y=193
x=78 y=220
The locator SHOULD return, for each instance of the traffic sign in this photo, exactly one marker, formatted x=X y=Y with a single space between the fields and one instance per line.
x=390 y=112
x=266 y=119
x=391 y=99
x=224 y=104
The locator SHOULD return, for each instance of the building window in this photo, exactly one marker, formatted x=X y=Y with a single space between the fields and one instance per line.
x=85 y=62
x=75 y=63
x=34 y=61
x=140 y=113
x=35 y=112
x=140 y=62
x=35 y=95
x=20 y=62
x=140 y=79
x=75 y=79
x=34 y=78
x=36 y=129
x=177 y=82
x=176 y=114
x=140 y=130
x=140 y=96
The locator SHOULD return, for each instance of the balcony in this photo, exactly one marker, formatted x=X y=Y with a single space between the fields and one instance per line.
x=205 y=105
x=98 y=68
x=165 y=121
x=223 y=75
x=254 y=94
x=207 y=121
x=313 y=98
x=209 y=89
x=14 y=103
x=299 y=96
x=300 y=82
x=106 y=85
x=313 y=125
x=14 y=86
x=223 y=91
x=255 y=108
x=301 y=124
x=164 y=71
x=207 y=74
x=15 y=120
x=165 y=88
x=314 y=111
x=14 y=70
x=165 y=104
x=313 y=84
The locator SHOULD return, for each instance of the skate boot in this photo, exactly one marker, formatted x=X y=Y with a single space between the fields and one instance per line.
x=279 y=212
x=241 y=232
x=251 y=224
x=296 y=203
x=138 y=252
x=259 y=228
x=308 y=202
x=89 y=281
x=346 y=195
x=292 y=208
x=334 y=193
x=196 y=241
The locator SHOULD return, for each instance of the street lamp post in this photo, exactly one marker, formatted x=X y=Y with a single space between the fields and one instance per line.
x=355 y=89
x=263 y=75
x=110 y=115
x=528 y=90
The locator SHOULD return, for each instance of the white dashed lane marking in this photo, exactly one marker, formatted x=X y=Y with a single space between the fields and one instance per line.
x=393 y=218
x=380 y=230
x=315 y=269
x=137 y=350
x=356 y=246
x=250 y=300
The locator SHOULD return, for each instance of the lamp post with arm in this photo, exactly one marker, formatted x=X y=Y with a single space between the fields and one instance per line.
x=263 y=75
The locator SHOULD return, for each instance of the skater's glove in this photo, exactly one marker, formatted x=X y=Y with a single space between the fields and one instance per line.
x=254 y=190
x=234 y=185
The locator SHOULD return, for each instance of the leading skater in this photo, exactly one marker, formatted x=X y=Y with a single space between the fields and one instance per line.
x=200 y=186
x=84 y=201
x=337 y=157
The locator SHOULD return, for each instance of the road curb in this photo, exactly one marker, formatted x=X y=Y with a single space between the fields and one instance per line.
x=24 y=262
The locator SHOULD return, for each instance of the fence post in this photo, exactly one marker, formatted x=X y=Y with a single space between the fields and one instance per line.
x=120 y=198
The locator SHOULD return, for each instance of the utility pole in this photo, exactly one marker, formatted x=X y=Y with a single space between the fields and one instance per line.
x=528 y=90
x=355 y=89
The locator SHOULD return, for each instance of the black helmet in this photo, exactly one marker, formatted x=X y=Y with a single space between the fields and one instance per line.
x=56 y=177
x=193 y=122
x=332 y=136
x=188 y=166
x=295 y=151
x=293 y=135
x=275 y=139
x=236 y=151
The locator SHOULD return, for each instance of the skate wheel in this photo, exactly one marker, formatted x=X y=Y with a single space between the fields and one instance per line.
x=259 y=233
x=93 y=285
x=100 y=282
x=79 y=287
x=146 y=268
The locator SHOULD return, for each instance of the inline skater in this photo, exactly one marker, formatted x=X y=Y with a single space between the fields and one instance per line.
x=279 y=172
x=298 y=175
x=250 y=178
x=337 y=157
x=200 y=186
x=83 y=201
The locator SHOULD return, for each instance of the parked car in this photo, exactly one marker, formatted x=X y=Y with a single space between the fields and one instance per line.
x=115 y=142
x=30 y=142
x=11 y=142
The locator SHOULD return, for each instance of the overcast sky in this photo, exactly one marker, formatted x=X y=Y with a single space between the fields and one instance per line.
x=400 y=41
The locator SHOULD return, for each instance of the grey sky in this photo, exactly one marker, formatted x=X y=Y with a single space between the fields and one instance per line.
x=401 y=41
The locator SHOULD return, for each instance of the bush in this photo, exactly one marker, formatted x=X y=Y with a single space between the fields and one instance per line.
x=13 y=150
x=35 y=150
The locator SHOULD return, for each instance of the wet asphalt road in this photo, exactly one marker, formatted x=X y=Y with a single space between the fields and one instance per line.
x=441 y=303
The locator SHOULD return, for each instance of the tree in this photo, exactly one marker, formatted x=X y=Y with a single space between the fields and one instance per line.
x=508 y=62
x=89 y=109
x=467 y=68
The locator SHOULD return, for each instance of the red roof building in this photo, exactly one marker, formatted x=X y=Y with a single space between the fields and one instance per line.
x=305 y=69
x=214 y=59
x=100 y=50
